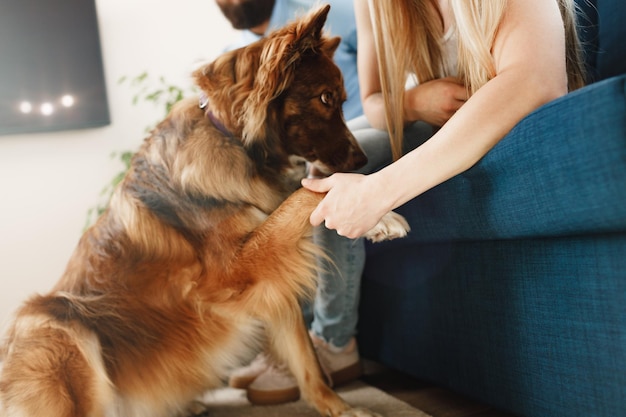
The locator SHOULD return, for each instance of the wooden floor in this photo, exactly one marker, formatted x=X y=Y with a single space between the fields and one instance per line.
x=433 y=400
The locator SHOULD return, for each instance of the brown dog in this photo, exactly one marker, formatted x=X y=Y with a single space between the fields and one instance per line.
x=196 y=257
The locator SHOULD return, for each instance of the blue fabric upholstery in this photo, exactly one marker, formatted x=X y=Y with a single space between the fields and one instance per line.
x=536 y=327
x=560 y=171
x=601 y=31
x=611 y=57
x=511 y=286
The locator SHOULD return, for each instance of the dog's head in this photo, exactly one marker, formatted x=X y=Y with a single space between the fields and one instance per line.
x=283 y=95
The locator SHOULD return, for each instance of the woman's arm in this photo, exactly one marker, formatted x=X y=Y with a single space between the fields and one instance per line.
x=367 y=65
x=529 y=53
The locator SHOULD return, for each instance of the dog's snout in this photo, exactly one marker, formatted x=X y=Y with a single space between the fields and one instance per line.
x=356 y=159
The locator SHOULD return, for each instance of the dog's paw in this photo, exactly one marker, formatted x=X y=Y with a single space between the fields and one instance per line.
x=359 y=412
x=391 y=226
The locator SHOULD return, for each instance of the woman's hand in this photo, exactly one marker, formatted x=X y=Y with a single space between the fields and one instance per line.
x=434 y=102
x=353 y=203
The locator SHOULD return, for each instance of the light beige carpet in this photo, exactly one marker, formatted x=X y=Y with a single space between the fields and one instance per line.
x=229 y=402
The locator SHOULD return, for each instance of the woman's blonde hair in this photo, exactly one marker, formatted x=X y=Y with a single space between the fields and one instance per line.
x=414 y=47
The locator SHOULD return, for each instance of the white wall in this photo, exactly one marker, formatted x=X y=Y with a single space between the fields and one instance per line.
x=49 y=181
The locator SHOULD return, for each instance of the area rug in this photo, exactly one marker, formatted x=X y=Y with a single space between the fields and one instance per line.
x=229 y=402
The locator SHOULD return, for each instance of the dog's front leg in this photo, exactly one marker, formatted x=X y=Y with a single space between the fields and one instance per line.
x=291 y=344
x=280 y=262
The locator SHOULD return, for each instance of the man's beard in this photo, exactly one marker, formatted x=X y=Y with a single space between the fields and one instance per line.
x=247 y=14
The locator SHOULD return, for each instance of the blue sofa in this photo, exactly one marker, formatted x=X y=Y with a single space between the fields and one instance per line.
x=511 y=287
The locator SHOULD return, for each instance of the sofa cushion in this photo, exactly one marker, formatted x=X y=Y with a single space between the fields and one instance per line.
x=602 y=33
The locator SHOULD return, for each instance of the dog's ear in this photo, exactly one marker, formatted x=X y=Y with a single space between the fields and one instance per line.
x=310 y=31
x=282 y=50
x=217 y=76
x=330 y=46
x=227 y=82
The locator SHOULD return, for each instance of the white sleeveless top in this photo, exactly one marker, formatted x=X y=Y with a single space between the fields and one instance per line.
x=449 y=52
x=449 y=55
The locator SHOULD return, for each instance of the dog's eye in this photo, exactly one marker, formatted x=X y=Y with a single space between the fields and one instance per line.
x=326 y=98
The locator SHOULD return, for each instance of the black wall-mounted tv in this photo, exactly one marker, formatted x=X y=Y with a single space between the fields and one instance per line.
x=51 y=72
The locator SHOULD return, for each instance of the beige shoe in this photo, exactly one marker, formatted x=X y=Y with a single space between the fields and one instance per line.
x=243 y=377
x=340 y=365
x=276 y=385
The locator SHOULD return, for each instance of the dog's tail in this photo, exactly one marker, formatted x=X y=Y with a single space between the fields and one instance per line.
x=52 y=368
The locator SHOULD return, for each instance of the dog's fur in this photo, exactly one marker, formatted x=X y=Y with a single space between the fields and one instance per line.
x=196 y=256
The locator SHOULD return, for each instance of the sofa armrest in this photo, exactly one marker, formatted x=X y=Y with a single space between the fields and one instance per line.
x=560 y=171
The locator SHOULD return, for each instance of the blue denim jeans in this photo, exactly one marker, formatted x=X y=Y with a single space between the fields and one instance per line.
x=334 y=312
